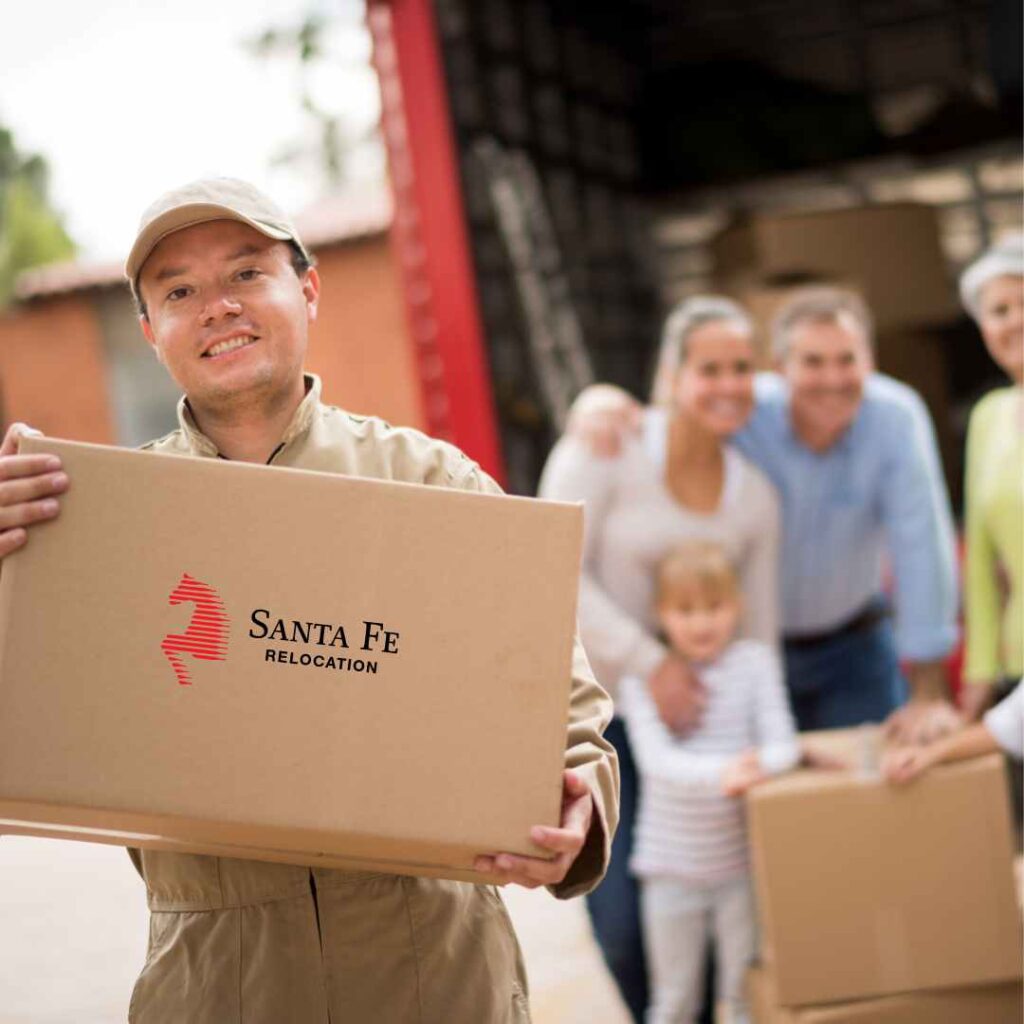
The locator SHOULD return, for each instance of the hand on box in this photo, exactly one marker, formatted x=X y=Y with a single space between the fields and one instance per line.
x=741 y=773
x=903 y=764
x=678 y=693
x=28 y=488
x=602 y=417
x=812 y=756
x=928 y=715
x=922 y=720
x=565 y=842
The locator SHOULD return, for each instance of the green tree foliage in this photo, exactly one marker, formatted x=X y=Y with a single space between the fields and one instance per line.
x=31 y=232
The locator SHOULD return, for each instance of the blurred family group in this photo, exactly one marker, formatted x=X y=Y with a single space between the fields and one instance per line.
x=771 y=553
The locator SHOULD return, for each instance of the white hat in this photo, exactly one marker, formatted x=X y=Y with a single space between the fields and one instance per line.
x=1006 y=257
x=204 y=200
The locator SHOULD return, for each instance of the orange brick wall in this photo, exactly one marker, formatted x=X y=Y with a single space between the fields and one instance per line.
x=360 y=344
x=51 y=370
x=53 y=373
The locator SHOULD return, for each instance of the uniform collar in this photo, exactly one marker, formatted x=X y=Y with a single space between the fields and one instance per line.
x=845 y=443
x=301 y=421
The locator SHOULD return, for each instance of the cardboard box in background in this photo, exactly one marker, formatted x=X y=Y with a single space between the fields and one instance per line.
x=867 y=889
x=891 y=252
x=207 y=726
x=920 y=358
x=982 y=1004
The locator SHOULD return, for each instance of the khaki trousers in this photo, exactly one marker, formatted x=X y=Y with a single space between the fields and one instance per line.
x=244 y=942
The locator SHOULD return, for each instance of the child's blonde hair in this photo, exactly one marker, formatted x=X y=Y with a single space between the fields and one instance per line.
x=698 y=568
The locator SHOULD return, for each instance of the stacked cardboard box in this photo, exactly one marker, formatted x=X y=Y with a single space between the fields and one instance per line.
x=977 y=1004
x=883 y=903
x=178 y=675
x=891 y=252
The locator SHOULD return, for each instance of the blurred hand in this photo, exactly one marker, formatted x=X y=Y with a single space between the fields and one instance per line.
x=29 y=485
x=678 y=693
x=602 y=417
x=906 y=763
x=741 y=773
x=975 y=700
x=565 y=842
x=812 y=756
x=921 y=721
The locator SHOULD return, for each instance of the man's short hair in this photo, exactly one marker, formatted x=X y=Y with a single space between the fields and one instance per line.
x=819 y=304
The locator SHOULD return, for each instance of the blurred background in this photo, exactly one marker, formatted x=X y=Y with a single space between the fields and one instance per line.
x=557 y=180
x=504 y=197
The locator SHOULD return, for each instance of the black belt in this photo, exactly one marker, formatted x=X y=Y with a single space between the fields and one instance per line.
x=867 y=617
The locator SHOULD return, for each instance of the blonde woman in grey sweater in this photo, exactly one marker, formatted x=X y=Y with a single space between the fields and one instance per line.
x=677 y=480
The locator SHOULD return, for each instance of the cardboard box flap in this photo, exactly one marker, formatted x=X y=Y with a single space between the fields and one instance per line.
x=342 y=850
x=974 y=1004
x=257 y=646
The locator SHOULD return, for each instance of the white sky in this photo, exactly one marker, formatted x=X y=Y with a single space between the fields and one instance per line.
x=126 y=100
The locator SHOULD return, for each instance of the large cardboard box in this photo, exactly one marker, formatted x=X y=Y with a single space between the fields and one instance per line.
x=285 y=665
x=978 y=1004
x=866 y=889
x=891 y=251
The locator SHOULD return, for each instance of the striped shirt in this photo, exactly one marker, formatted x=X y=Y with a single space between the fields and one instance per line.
x=686 y=827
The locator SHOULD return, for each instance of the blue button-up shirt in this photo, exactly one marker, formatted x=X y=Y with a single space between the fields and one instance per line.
x=876 y=496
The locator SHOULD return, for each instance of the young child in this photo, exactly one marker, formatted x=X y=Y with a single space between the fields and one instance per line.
x=690 y=846
x=1002 y=728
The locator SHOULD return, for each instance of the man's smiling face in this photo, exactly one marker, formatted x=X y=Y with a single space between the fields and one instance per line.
x=827 y=366
x=227 y=314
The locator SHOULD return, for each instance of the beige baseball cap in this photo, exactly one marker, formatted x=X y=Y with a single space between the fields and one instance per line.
x=201 y=201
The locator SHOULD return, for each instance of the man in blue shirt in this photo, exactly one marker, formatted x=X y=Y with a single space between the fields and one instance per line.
x=853 y=456
x=854 y=459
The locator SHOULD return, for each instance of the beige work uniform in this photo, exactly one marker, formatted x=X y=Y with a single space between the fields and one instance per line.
x=260 y=943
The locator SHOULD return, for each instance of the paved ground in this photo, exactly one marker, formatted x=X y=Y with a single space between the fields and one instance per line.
x=73 y=935
x=569 y=983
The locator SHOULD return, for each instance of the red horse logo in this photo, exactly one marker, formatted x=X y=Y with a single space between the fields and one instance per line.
x=207 y=634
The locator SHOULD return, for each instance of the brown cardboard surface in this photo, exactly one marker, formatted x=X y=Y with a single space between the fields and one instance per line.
x=981 y=1004
x=452 y=747
x=891 y=251
x=867 y=889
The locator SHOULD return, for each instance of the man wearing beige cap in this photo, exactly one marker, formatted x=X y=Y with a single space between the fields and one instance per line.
x=226 y=295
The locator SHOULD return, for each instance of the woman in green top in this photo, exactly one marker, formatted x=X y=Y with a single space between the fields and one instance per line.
x=992 y=290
